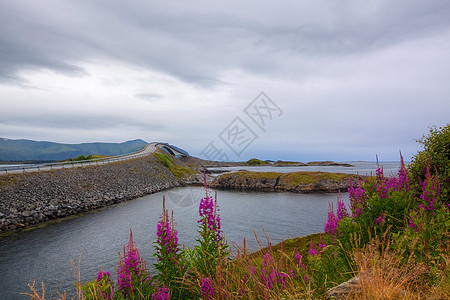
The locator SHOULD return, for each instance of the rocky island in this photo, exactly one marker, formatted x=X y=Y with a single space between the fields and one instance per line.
x=298 y=182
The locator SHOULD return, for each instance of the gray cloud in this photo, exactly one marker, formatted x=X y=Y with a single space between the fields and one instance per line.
x=197 y=44
x=360 y=73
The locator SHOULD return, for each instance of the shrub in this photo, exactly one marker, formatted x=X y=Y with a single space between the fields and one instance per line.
x=436 y=154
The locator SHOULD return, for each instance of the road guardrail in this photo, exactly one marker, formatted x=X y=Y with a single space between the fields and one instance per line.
x=80 y=163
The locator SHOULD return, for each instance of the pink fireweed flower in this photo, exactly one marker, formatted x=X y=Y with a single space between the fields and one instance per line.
x=298 y=260
x=209 y=217
x=268 y=260
x=102 y=274
x=306 y=279
x=322 y=245
x=381 y=181
x=403 y=175
x=357 y=199
x=413 y=225
x=161 y=294
x=131 y=269
x=282 y=279
x=431 y=190
x=167 y=237
x=332 y=222
x=341 y=209
x=381 y=219
x=312 y=251
x=206 y=288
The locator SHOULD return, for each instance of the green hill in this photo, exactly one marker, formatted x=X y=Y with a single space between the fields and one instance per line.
x=28 y=150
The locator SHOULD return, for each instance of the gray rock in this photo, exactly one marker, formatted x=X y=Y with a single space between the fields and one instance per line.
x=342 y=291
x=27 y=213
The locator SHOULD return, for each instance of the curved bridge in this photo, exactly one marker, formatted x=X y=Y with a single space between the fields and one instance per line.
x=150 y=148
x=173 y=150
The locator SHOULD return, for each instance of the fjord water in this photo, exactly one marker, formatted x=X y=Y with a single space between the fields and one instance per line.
x=44 y=254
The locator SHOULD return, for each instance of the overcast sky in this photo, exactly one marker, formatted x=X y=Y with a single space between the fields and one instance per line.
x=341 y=80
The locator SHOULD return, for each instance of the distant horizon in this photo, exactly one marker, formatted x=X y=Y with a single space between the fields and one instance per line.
x=246 y=158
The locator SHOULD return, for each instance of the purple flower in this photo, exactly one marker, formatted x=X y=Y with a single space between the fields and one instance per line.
x=206 y=289
x=431 y=189
x=312 y=251
x=268 y=260
x=341 y=209
x=167 y=237
x=210 y=219
x=161 y=294
x=381 y=218
x=102 y=274
x=322 y=245
x=357 y=202
x=403 y=175
x=306 y=279
x=332 y=222
x=413 y=225
x=131 y=269
x=298 y=260
x=282 y=279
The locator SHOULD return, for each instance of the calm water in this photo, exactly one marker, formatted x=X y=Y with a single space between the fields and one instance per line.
x=359 y=167
x=44 y=254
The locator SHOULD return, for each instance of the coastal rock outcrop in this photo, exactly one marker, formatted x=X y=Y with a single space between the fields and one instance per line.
x=298 y=182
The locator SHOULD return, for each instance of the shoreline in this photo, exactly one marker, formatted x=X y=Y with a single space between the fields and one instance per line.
x=31 y=199
x=35 y=199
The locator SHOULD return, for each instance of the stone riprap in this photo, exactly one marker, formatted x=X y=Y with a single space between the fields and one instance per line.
x=29 y=199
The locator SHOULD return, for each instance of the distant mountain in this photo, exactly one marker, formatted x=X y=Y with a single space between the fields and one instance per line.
x=28 y=150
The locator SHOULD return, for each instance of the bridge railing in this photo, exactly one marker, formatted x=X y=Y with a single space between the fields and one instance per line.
x=79 y=163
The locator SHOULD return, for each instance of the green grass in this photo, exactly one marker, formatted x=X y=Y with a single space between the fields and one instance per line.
x=165 y=160
x=256 y=162
x=253 y=175
x=179 y=171
x=290 y=246
x=290 y=179
x=303 y=178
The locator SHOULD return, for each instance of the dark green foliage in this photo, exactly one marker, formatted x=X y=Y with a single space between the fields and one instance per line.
x=437 y=151
x=81 y=157
x=256 y=162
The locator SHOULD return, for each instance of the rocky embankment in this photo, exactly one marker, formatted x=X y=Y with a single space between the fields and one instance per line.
x=29 y=199
x=298 y=182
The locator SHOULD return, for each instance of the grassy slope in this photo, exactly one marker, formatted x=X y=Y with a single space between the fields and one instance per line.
x=291 y=179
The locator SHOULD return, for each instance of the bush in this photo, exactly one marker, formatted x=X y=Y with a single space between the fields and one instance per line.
x=436 y=154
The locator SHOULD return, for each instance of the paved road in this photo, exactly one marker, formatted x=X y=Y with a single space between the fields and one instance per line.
x=150 y=148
